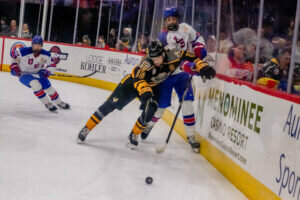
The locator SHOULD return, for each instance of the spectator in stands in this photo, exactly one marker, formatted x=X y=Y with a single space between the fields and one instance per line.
x=4 y=27
x=101 y=43
x=13 y=29
x=211 y=50
x=112 y=40
x=290 y=31
x=86 y=41
x=275 y=72
x=142 y=44
x=125 y=43
x=224 y=43
x=25 y=32
x=238 y=67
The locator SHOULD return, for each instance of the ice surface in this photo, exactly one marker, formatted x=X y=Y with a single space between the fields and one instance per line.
x=40 y=159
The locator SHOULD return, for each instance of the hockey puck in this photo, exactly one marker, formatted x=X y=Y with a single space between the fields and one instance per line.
x=149 y=180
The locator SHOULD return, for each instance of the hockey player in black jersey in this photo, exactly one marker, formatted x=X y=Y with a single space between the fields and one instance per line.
x=154 y=68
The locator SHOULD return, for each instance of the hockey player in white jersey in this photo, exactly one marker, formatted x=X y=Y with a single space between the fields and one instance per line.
x=180 y=37
x=33 y=67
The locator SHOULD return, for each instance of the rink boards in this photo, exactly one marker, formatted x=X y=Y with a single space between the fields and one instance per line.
x=249 y=134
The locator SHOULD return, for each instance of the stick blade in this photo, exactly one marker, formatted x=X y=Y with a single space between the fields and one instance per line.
x=161 y=149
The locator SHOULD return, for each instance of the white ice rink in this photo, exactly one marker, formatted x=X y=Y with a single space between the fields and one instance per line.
x=40 y=159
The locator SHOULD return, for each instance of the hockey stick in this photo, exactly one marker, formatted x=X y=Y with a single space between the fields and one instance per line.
x=64 y=75
x=163 y=148
x=74 y=76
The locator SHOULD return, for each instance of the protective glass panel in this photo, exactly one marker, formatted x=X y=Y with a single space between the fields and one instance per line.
x=275 y=48
x=237 y=39
x=129 y=24
x=144 y=27
x=9 y=15
x=114 y=8
x=62 y=27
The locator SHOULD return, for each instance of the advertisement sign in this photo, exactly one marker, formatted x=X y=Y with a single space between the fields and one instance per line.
x=76 y=60
x=257 y=131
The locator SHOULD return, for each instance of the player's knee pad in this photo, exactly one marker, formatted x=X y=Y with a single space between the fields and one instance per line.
x=35 y=85
x=187 y=108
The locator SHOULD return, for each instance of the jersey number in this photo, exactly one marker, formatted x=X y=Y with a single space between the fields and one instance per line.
x=180 y=41
x=30 y=61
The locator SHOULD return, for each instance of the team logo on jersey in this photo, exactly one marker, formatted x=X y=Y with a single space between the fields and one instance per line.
x=115 y=99
x=142 y=75
x=15 y=46
x=57 y=55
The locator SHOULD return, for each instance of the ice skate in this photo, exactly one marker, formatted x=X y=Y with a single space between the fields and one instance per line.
x=51 y=107
x=132 y=140
x=63 y=105
x=194 y=144
x=82 y=135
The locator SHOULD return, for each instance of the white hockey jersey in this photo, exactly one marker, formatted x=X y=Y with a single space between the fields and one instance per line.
x=30 y=64
x=184 y=38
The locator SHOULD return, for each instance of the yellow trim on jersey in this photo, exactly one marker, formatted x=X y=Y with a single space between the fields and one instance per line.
x=140 y=84
x=190 y=54
x=125 y=78
x=143 y=90
x=177 y=60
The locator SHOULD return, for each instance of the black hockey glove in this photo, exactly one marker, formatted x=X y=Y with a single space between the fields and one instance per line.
x=208 y=72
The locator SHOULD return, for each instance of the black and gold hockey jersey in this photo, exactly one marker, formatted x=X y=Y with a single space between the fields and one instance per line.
x=147 y=75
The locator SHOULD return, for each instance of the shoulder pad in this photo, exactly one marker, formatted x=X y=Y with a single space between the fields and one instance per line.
x=44 y=52
x=146 y=64
x=162 y=37
x=25 y=51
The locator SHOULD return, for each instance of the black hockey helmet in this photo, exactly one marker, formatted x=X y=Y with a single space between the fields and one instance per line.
x=155 y=49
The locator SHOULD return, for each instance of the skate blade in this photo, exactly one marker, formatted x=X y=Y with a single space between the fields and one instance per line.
x=79 y=141
x=196 y=150
x=131 y=146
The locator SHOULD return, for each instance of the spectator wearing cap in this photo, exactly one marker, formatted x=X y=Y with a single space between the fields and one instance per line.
x=126 y=41
x=26 y=32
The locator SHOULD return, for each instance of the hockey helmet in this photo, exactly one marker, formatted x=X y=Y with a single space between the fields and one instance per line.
x=37 y=39
x=155 y=49
x=171 y=12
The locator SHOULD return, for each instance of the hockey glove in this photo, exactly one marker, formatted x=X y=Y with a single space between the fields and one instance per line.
x=146 y=94
x=15 y=70
x=205 y=70
x=43 y=73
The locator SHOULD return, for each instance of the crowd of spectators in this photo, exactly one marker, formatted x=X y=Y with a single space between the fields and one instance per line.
x=13 y=29
x=235 y=56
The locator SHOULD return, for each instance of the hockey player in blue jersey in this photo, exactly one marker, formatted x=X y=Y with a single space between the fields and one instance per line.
x=179 y=37
x=33 y=67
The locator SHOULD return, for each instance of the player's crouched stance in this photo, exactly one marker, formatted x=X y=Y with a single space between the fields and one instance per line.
x=137 y=84
x=33 y=67
x=152 y=70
